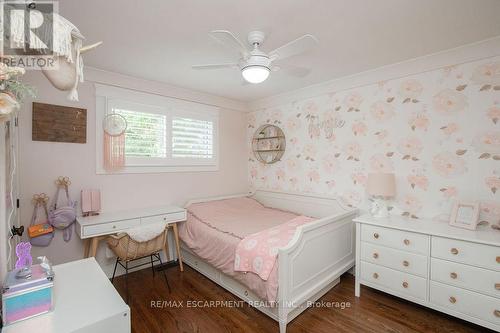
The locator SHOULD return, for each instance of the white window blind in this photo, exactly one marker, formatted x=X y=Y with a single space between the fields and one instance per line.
x=192 y=138
x=163 y=134
x=146 y=134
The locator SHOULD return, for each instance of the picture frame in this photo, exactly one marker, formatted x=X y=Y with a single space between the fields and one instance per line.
x=465 y=214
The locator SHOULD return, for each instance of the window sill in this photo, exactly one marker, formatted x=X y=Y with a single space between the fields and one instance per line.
x=158 y=169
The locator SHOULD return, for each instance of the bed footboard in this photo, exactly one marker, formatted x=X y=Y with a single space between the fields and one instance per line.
x=313 y=262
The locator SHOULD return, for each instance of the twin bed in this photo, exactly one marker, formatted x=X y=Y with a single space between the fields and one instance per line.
x=317 y=253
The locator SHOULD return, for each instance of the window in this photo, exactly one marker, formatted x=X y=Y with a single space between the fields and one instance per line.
x=146 y=134
x=163 y=134
x=192 y=138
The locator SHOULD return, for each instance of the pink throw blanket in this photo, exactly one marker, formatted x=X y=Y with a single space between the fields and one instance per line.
x=257 y=252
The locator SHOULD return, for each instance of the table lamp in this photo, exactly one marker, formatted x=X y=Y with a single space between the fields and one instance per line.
x=381 y=186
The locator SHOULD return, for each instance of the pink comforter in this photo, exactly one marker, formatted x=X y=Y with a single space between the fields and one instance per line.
x=214 y=229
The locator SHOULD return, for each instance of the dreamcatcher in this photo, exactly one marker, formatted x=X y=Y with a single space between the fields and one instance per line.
x=114 y=126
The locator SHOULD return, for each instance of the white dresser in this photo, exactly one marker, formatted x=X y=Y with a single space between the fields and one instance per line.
x=452 y=270
x=85 y=302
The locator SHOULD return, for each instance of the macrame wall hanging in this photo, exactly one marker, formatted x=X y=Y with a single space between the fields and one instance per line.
x=67 y=48
x=114 y=126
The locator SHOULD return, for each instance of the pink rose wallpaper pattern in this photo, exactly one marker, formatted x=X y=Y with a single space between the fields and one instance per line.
x=438 y=131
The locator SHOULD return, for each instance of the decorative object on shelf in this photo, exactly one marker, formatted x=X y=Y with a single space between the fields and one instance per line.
x=40 y=233
x=268 y=144
x=26 y=297
x=465 y=215
x=91 y=202
x=381 y=186
x=63 y=217
x=57 y=123
x=24 y=260
x=114 y=126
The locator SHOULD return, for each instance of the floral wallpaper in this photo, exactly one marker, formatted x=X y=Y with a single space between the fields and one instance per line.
x=438 y=131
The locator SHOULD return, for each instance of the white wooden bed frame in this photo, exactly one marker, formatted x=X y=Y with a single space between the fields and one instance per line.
x=309 y=266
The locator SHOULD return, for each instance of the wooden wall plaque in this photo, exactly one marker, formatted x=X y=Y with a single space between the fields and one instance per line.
x=58 y=123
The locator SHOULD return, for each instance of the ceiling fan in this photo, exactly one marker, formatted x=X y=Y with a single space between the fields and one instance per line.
x=256 y=65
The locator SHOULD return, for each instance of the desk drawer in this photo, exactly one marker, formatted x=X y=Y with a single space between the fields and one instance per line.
x=464 y=276
x=474 y=254
x=401 y=240
x=400 y=260
x=172 y=217
x=109 y=228
x=399 y=282
x=466 y=302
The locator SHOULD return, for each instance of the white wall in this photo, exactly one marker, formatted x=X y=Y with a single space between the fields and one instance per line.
x=42 y=162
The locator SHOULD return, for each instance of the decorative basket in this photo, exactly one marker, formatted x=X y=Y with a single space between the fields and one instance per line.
x=128 y=249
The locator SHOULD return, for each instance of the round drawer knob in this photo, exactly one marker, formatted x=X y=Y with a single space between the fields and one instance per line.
x=496 y=313
x=375 y=275
x=246 y=292
x=453 y=275
x=375 y=255
x=405 y=284
x=406 y=263
x=375 y=235
x=454 y=251
x=114 y=227
x=406 y=241
x=453 y=300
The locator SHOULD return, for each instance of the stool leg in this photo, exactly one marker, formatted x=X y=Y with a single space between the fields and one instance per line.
x=165 y=275
x=152 y=266
x=114 y=271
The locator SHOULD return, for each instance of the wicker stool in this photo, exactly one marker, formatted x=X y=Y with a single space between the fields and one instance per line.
x=126 y=250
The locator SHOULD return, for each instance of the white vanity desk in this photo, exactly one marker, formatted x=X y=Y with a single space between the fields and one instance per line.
x=93 y=229
x=453 y=270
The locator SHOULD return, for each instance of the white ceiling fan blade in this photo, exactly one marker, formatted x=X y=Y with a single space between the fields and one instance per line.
x=300 y=45
x=227 y=38
x=215 y=66
x=292 y=70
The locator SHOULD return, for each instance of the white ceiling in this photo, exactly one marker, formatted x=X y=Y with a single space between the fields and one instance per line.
x=160 y=40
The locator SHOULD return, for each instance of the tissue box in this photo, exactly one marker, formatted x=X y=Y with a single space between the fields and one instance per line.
x=26 y=298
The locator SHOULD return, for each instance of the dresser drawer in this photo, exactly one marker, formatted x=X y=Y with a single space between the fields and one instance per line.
x=466 y=302
x=172 y=217
x=464 y=276
x=401 y=240
x=474 y=254
x=399 y=282
x=400 y=260
x=109 y=228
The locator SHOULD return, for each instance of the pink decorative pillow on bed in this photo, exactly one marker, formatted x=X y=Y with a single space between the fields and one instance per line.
x=258 y=252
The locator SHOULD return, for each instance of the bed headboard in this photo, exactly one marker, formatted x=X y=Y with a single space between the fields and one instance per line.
x=305 y=204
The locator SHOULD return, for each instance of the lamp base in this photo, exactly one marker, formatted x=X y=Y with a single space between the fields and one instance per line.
x=379 y=209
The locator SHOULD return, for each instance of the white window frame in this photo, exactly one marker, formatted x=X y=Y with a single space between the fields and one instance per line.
x=152 y=103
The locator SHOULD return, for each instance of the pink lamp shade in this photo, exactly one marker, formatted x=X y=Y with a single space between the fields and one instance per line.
x=381 y=184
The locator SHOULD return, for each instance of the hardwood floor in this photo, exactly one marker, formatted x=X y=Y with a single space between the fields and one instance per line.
x=373 y=312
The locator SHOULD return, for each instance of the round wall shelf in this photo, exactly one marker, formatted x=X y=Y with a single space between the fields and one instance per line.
x=268 y=144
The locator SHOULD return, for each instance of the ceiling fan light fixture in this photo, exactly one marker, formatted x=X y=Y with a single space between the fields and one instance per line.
x=255 y=73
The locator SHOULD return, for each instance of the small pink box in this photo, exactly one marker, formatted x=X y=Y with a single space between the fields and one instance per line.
x=91 y=202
